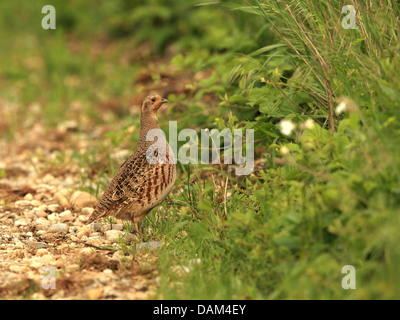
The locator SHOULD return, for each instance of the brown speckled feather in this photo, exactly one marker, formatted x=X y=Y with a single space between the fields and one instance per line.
x=145 y=178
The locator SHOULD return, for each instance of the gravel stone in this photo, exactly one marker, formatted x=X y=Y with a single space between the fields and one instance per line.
x=96 y=226
x=152 y=246
x=41 y=213
x=53 y=207
x=37 y=245
x=83 y=218
x=84 y=231
x=17 y=268
x=117 y=226
x=42 y=222
x=96 y=241
x=114 y=235
x=22 y=203
x=41 y=252
x=61 y=199
x=87 y=211
x=94 y=294
x=81 y=199
x=66 y=216
x=47 y=259
x=53 y=217
x=57 y=228
x=21 y=222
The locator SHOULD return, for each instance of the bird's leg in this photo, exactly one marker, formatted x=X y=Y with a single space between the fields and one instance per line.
x=137 y=227
x=139 y=231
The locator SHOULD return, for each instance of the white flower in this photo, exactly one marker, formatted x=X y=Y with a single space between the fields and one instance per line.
x=287 y=127
x=284 y=150
x=341 y=107
x=309 y=124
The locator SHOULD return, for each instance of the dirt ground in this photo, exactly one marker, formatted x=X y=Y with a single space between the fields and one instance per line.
x=42 y=215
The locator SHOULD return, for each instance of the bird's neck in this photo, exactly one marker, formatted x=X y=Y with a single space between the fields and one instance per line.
x=148 y=122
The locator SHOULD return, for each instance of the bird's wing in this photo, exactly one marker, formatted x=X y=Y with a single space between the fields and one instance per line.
x=128 y=181
x=135 y=176
x=133 y=181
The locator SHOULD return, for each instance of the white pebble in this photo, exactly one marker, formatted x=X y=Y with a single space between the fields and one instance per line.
x=28 y=196
x=41 y=213
x=83 y=218
x=57 y=228
x=66 y=216
x=87 y=211
x=84 y=231
x=114 y=235
x=47 y=259
x=21 y=222
x=53 y=207
x=16 y=268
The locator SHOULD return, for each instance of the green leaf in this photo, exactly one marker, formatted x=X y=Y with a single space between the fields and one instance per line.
x=265 y=49
x=291 y=242
x=293 y=147
x=390 y=92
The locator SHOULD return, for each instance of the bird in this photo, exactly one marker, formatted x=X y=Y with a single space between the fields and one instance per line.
x=146 y=178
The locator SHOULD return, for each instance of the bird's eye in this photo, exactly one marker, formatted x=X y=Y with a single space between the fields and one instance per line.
x=154 y=99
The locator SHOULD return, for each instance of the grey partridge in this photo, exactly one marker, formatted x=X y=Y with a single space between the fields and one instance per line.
x=145 y=179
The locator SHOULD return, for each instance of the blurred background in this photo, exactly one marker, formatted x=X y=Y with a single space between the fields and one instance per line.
x=109 y=56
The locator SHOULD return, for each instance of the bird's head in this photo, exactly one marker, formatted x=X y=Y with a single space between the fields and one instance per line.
x=152 y=103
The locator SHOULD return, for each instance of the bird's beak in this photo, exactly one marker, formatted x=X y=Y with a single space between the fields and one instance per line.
x=164 y=101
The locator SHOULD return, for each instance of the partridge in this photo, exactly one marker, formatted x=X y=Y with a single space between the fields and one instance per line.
x=145 y=179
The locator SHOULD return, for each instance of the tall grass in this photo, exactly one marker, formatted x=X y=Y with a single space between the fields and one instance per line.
x=327 y=60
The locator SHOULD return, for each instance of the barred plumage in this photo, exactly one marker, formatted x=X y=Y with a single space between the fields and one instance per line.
x=146 y=177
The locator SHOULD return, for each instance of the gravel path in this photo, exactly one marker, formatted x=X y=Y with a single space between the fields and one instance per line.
x=42 y=231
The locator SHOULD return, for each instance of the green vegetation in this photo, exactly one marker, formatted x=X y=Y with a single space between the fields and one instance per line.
x=325 y=196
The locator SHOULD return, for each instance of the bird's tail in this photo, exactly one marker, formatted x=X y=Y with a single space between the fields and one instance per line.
x=96 y=214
